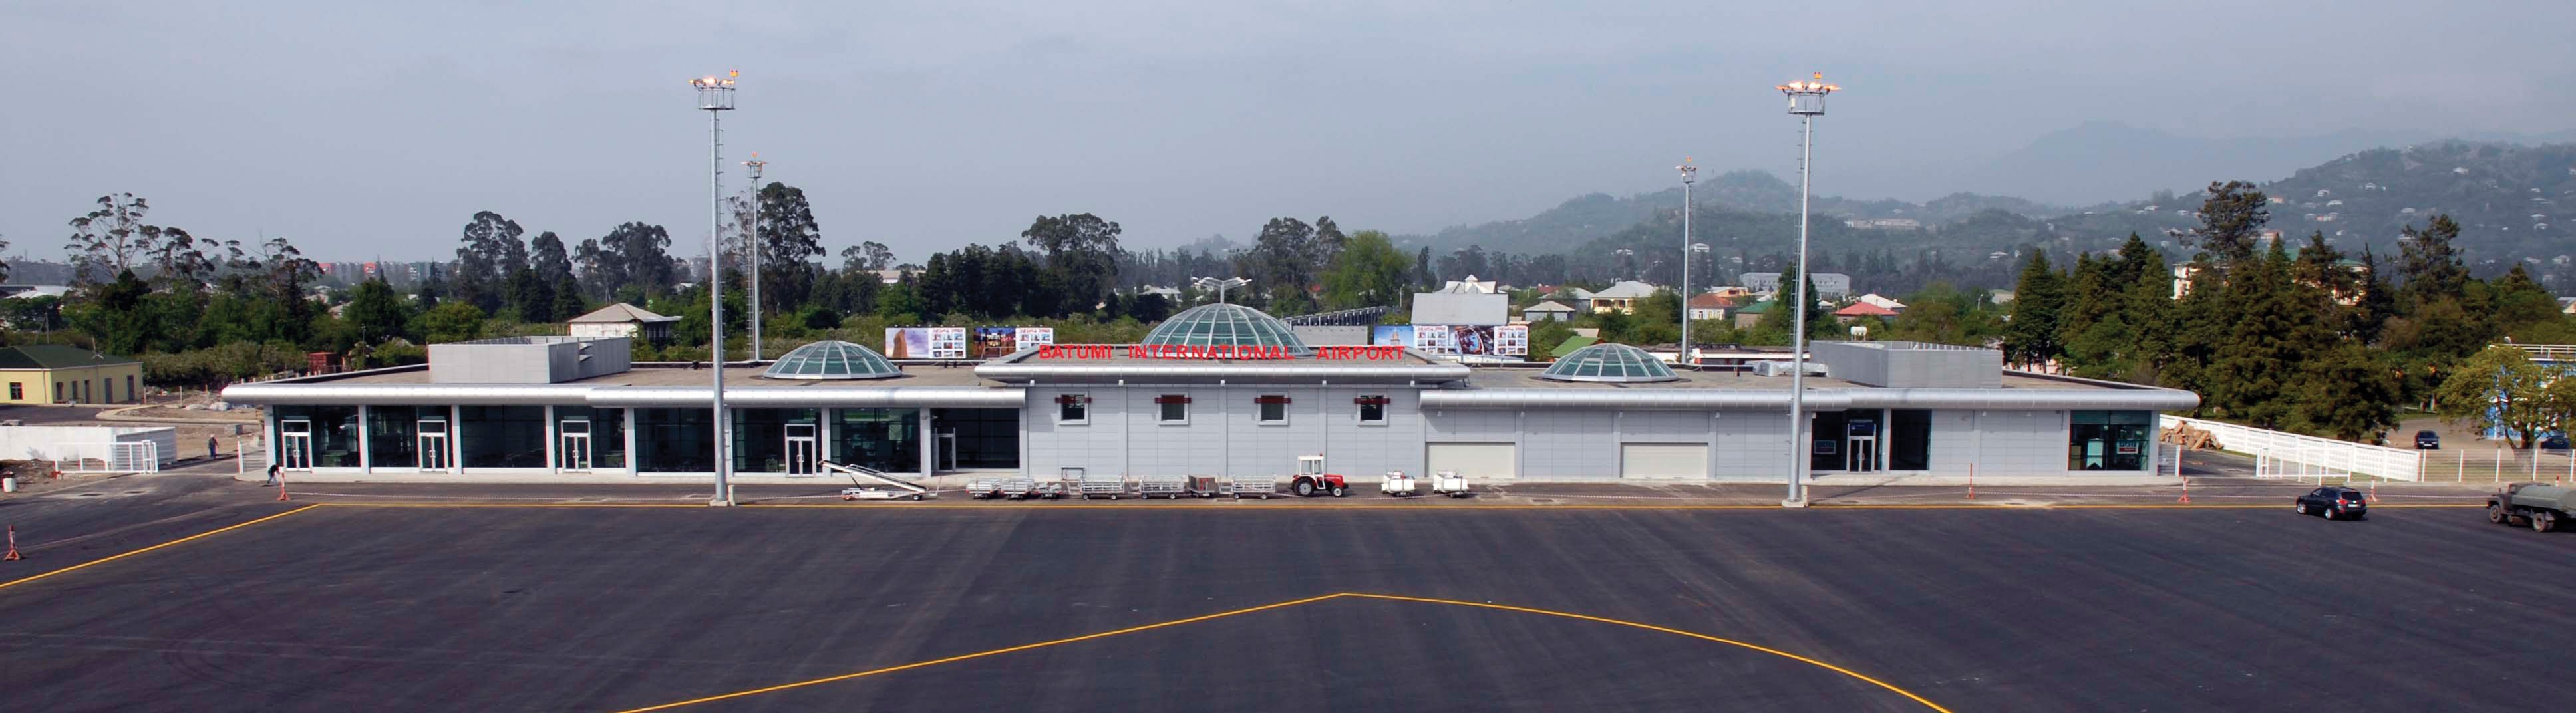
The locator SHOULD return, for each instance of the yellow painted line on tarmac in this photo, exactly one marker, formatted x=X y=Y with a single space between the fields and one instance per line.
x=1927 y=703
x=1142 y=507
x=693 y=506
x=112 y=558
x=1910 y=695
x=981 y=654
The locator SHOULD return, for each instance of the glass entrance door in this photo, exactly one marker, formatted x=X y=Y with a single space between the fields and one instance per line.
x=433 y=445
x=803 y=455
x=575 y=449
x=948 y=450
x=295 y=444
x=1861 y=444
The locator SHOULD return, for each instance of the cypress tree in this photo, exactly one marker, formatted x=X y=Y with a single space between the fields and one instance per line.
x=2031 y=336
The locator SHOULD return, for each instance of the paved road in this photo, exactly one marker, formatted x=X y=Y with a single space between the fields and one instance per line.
x=366 y=608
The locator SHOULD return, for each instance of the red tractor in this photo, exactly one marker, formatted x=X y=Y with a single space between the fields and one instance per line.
x=1311 y=478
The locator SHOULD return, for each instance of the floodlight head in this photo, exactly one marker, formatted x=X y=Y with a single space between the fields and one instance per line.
x=1699 y=247
x=1808 y=98
x=1690 y=173
x=715 y=93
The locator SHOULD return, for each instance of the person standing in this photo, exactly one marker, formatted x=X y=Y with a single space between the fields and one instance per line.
x=273 y=470
x=210 y=447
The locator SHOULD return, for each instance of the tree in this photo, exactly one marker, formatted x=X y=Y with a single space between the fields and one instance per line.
x=2275 y=332
x=453 y=322
x=108 y=240
x=789 y=242
x=2349 y=394
x=2031 y=336
x=377 y=313
x=2430 y=263
x=870 y=255
x=1368 y=272
x=635 y=262
x=2231 y=220
x=490 y=253
x=1422 y=276
x=1081 y=254
x=2500 y=390
x=548 y=259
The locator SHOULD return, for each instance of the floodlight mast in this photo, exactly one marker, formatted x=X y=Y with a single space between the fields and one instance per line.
x=1806 y=101
x=1220 y=285
x=752 y=167
x=715 y=97
x=1690 y=174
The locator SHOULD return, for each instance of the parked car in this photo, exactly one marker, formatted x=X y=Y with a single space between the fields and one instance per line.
x=2428 y=441
x=2335 y=502
x=2555 y=443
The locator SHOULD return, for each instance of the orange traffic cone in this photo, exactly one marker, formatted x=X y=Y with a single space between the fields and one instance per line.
x=2186 y=492
x=13 y=545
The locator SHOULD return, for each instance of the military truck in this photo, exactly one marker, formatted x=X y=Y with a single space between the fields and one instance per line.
x=2540 y=505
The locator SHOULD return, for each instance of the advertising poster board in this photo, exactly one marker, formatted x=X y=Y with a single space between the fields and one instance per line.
x=1472 y=338
x=1392 y=335
x=995 y=342
x=947 y=342
x=1034 y=336
x=1511 y=340
x=1434 y=339
x=907 y=343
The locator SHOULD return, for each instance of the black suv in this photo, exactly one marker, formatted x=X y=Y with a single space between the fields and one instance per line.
x=2554 y=443
x=2335 y=502
x=2428 y=441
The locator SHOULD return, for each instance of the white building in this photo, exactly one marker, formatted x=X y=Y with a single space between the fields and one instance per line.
x=622 y=320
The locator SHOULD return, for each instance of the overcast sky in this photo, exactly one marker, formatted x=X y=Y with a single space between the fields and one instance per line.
x=375 y=129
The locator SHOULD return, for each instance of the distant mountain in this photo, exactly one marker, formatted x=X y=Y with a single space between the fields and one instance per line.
x=1593 y=216
x=2511 y=201
x=2106 y=160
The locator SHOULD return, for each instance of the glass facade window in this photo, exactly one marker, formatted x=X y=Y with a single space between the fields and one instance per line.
x=607 y=429
x=1073 y=409
x=1909 y=434
x=334 y=435
x=393 y=435
x=675 y=440
x=887 y=439
x=760 y=437
x=1373 y=408
x=502 y=436
x=1175 y=408
x=980 y=437
x=2108 y=440
x=1274 y=408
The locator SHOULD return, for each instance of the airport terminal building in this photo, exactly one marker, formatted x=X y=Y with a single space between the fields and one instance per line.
x=1215 y=390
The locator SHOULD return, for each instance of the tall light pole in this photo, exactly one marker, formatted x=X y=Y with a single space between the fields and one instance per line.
x=752 y=167
x=1690 y=175
x=1806 y=101
x=715 y=97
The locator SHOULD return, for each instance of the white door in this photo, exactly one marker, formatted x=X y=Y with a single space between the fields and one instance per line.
x=576 y=447
x=433 y=445
x=295 y=444
x=1474 y=460
x=802 y=454
x=1663 y=461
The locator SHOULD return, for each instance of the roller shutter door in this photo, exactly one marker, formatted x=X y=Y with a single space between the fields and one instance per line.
x=1474 y=460
x=1663 y=461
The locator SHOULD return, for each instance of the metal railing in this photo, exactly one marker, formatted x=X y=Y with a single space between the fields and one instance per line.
x=2561 y=353
x=2499 y=465
x=2289 y=455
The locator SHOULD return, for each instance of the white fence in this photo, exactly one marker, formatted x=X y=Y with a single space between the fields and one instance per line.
x=2290 y=455
x=119 y=457
x=2499 y=465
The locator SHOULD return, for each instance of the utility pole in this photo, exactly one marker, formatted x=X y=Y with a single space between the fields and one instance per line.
x=1806 y=101
x=715 y=97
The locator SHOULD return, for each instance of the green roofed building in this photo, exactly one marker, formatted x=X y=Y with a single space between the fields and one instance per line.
x=55 y=373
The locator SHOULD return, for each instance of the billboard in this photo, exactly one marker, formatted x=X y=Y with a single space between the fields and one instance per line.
x=1034 y=336
x=1511 y=340
x=1456 y=339
x=1391 y=335
x=925 y=343
x=995 y=342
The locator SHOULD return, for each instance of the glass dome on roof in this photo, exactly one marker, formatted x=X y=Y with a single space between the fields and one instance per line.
x=1609 y=362
x=1224 y=324
x=832 y=359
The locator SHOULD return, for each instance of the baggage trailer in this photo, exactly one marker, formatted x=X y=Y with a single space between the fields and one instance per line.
x=1030 y=489
x=887 y=488
x=987 y=488
x=1107 y=485
x=1167 y=486
x=1450 y=483
x=1399 y=485
x=1249 y=486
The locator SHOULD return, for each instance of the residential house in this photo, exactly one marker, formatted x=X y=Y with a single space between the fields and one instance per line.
x=1876 y=299
x=1547 y=310
x=1708 y=306
x=1746 y=317
x=1858 y=310
x=622 y=320
x=1622 y=298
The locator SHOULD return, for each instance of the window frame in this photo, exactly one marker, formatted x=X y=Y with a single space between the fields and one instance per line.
x=1360 y=408
x=1080 y=401
x=1163 y=405
x=1261 y=406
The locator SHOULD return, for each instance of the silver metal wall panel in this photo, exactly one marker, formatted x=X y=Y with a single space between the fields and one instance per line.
x=1751 y=446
